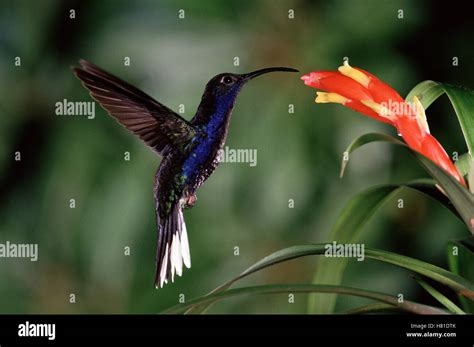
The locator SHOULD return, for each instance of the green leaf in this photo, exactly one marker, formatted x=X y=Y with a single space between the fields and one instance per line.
x=273 y=259
x=460 y=197
x=470 y=179
x=463 y=164
x=461 y=98
x=373 y=308
x=436 y=273
x=405 y=305
x=451 y=306
x=357 y=212
x=461 y=260
x=427 y=92
x=349 y=226
x=363 y=140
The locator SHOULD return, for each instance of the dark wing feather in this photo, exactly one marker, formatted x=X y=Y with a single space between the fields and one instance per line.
x=157 y=125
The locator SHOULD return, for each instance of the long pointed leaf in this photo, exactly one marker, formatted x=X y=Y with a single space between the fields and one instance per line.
x=363 y=140
x=461 y=198
x=461 y=260
x=349 y=227
x=451 y=306
x=436 y=273
x=373 y=308
x=406 y=305
x=461 y=98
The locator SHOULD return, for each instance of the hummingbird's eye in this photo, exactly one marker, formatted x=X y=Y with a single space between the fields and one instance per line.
x=227 y=80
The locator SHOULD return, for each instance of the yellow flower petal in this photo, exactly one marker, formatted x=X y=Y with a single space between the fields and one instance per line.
x=356 y=75
x=382 y=111
x=323 y=98
x=420 y=115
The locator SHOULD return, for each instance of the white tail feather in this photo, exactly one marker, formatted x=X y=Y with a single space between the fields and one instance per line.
x=164 y=265
x=177 y=250
x=176 y=258
x=185 y=246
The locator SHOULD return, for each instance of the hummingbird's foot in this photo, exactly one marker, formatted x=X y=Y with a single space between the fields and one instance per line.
x=190 y=200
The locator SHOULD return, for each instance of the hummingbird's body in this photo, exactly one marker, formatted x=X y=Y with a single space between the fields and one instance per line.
x=190 y=150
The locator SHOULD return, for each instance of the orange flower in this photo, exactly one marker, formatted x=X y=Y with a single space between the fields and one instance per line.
x=365 y=93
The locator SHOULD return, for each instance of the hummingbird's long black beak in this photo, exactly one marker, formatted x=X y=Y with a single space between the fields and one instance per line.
x=250 y=75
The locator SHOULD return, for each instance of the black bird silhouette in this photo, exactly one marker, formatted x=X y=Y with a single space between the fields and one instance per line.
x=190 y=150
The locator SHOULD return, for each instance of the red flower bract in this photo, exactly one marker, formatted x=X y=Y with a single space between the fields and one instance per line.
x=365 y=93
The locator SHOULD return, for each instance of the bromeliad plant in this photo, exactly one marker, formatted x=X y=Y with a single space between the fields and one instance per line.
x=365 y=93
x=452 y=184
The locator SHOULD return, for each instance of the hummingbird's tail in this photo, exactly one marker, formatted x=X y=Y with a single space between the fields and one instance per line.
x=173 y=247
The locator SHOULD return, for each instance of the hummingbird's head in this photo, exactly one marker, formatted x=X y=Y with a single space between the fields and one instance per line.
x=222 y=90
x=229 y=84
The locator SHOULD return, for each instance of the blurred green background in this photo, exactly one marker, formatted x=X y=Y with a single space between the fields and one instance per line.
x=81 y=250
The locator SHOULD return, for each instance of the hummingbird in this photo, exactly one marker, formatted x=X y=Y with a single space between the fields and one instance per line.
x=189 y=149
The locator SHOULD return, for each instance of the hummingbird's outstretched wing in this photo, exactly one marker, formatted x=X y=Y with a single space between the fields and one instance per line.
x=157 y=125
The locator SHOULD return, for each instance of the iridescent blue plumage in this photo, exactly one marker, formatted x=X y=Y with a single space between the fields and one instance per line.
x=207 y=141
